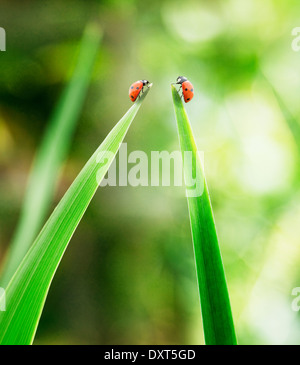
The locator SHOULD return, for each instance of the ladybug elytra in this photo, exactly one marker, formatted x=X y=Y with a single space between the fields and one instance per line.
x=187 y=88
x=136 y=88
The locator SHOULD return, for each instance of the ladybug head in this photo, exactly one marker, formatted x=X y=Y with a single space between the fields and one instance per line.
x=145 y=82
x=181 y=79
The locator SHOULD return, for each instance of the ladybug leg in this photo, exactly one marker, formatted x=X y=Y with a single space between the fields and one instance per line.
x=180 y=88
x=142 y=90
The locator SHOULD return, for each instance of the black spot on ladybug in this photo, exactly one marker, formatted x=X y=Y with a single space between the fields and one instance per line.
x=192 y=90
x=188 y=99
x=131 y=87
x=137 y=87
x=185 y=89
x=132 y=96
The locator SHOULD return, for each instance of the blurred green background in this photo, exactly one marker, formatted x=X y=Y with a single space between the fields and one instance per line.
x=128 y=276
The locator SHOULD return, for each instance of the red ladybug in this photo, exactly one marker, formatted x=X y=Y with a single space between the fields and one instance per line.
x=136 y=88
x=187 y=88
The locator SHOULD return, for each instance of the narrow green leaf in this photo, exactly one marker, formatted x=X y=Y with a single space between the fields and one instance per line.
x=292 y=122
x=28 y=288
x=214 y=298
x=52 y=151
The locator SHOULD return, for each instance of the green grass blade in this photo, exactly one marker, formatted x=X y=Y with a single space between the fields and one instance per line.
x=28 y=288
x=291 y=121
x=51 y=154
x=215 y=305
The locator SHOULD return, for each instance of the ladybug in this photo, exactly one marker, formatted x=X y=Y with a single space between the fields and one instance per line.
x=187 y=88
x=136 y=88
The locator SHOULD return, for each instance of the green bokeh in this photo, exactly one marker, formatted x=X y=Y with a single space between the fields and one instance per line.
x=128 y=276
